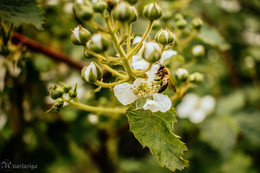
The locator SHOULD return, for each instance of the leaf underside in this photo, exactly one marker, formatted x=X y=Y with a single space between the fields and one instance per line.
x=21 y=11
x=154 y=130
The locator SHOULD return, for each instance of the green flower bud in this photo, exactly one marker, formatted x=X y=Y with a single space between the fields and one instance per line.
x=83 y=10
x=123 y=12
x=152 y=11
x=178 y=16
x=196 y=23
x=196 y=78
x=182 y=74
x=198 y=51
x=58 y=103
x=91 y=73
x=99 y=43
x=66 y=88
x=100 y=6
x=167 y=15
x=132 y=2
x=152 y=52
x=80 y=35
x=181 y=23
x=73 y=93
x=164 y=36
x=134 y=15
x=56 y=92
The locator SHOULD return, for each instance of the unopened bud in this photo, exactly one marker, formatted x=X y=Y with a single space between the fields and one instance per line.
x=91 y=73
x=152 y=11
x=58 y=103
x=134 y=15
x=198 y=51
x=164 y=36
x=80 y=35
x=123 y=12
x=178 y=16
x=196 y=23
x=167 y=15
x=99 y=43
x=99 y=6
x=56 y=92
x=196 y=78
x=83 y=10
x=66 y=88
x=73 y=93
x=152 y=52
x=182 y=74
x=181 y=23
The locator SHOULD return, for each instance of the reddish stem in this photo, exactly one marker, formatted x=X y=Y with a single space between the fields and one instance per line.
x=38 y=47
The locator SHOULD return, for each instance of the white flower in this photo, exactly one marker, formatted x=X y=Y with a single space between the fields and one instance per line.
x=195 y=108
x=127 y=93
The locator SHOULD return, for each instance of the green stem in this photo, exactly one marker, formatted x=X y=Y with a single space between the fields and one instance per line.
x=119 y=48
x=184 y=43
x=114 y=72
x=129 y=28
x=139 y=45
x=109 y=85
x=119 y=110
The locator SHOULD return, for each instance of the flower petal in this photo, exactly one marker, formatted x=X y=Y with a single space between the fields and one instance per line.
x=167 y=54
x=151 y=73
x=124 y=93
x=139 y=63
x=137 y=39
x=160 y=102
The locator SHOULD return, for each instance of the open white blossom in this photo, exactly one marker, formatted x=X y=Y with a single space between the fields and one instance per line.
x=139 y=63
x=127 y=93
x=196 y=108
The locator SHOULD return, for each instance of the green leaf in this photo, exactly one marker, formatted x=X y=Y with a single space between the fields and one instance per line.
x=211 y=36
x=154 y=130
x=21 y=11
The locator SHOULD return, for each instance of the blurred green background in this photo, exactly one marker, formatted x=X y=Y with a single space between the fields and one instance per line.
x=226 y=141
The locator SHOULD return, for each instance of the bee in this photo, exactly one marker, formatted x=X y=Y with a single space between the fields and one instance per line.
x=165 y=77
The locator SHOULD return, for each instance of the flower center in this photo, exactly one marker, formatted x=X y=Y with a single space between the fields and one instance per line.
x=145 y=89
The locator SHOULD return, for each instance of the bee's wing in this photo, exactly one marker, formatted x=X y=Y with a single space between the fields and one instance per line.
x=172 y=84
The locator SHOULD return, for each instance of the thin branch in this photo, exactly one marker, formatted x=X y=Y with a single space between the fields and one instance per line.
x=39 y=48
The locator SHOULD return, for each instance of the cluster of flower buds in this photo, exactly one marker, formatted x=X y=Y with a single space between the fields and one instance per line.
x=196 y=78
x=57 y=92
x=181 y=23
x=91 y=73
